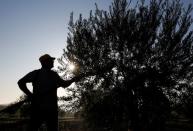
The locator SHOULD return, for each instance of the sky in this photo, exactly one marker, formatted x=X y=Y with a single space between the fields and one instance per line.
x=31 y=28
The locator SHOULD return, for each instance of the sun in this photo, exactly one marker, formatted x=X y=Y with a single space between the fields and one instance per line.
x=72 y=67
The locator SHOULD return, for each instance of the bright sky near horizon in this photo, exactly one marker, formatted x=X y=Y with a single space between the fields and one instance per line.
x=30 y=28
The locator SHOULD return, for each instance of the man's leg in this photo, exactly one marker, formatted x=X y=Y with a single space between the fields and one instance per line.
x=34 y=125
x=35 y=121
x=52 y=121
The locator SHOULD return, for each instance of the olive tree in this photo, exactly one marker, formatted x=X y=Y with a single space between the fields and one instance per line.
x=141 y=58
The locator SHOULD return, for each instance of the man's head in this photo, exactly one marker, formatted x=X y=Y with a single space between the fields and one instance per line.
x=47 y=61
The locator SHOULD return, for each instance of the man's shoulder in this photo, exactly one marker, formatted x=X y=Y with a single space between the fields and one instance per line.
x=54 y=72
x=46 y=71
x=29 y=77
x=35 y=71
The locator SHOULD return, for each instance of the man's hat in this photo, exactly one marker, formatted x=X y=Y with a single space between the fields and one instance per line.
x=45 y=57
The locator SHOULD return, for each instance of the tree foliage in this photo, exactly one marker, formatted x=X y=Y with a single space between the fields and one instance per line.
x=142 y=59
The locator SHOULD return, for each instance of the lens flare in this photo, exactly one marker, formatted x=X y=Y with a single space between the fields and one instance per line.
x=72 y=67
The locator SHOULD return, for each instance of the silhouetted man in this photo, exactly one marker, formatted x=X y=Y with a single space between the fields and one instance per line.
x=44 y=97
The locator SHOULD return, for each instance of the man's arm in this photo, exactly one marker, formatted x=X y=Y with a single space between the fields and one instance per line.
x=22 y=83
x=66 y=83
